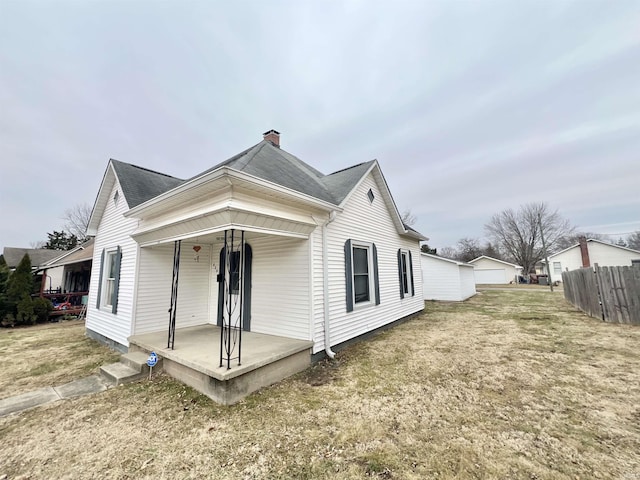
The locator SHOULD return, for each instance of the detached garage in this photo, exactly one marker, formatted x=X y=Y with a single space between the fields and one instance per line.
x=444 y=279
x=490 y=270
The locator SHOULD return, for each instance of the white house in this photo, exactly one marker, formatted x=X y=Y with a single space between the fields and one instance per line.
x=587 y=253
x=260 y=243
x=490 y=270
x=445 y=279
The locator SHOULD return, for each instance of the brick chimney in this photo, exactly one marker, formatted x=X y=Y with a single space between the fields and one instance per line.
x=584 y=251
x=273 y=137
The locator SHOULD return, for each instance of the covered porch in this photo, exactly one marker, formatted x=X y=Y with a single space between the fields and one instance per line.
x=195 y=360
x=232 y=262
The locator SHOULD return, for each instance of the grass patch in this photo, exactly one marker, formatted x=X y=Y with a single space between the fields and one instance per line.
x=47 y=355
x=509 y=384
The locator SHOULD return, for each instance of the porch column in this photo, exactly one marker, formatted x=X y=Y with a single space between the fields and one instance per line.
x=174 y=294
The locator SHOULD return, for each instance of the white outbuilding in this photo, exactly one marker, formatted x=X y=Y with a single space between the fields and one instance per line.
x=490 y=270
x=445 y=279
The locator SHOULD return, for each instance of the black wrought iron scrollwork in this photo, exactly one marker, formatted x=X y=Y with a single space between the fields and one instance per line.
x=232 y=270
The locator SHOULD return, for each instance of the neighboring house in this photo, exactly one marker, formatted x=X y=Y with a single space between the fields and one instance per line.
x=75 y=268
x=490 y=270
x=302 y=255
x=588 y=253
x=445 y=279
x=38 y=257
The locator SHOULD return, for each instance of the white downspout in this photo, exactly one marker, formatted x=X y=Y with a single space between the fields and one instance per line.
x=325 y=273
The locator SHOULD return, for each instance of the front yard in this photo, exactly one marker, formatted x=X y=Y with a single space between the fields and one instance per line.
x=47 y=355
x=510 y=384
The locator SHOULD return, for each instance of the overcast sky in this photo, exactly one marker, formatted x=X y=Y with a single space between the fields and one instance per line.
x=470 y=107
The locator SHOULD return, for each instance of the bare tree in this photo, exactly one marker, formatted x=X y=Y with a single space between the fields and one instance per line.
x=77 y=220
x=633 y=240
x=448 y=252
x=408 y=218
x=517 y=233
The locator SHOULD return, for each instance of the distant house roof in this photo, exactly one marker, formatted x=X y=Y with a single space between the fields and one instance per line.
x=592 y=240
x=443 y=259
x=495 y=260
x=81 y=253
x=38 y=256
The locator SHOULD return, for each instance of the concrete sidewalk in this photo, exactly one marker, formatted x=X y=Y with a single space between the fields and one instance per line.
x=84 y=386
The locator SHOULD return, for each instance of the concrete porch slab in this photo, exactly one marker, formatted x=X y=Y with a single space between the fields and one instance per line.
x=195 y=360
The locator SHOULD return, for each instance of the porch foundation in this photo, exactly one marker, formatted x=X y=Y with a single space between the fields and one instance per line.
x=266 y=359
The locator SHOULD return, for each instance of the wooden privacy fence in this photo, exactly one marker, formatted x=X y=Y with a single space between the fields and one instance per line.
x=609 y=293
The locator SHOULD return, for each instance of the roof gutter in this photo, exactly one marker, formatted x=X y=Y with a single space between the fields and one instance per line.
x=325 y=286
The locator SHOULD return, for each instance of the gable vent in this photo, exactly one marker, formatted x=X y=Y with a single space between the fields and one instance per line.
x=370 y=195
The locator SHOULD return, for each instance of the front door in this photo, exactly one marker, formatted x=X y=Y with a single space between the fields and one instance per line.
x=234 y=285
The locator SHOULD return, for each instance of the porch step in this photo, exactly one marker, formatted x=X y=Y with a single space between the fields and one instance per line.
x=131 y=367
x=138 y=361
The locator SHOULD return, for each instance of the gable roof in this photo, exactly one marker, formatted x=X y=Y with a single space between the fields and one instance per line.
x=263 y=161
x=81 y=253
x=596 y=241
x=141 y=184
x=495 y=260
x=342 y=182
x=38 y=256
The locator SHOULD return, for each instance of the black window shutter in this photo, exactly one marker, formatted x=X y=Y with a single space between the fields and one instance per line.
x=400 y=273
x=100 y=279
x=116 y=282
x=246 y=296
x=413 y=290
x=348 y=272
x=376 y=280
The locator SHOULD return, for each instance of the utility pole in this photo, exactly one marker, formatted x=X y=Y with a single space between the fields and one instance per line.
x=544 y=251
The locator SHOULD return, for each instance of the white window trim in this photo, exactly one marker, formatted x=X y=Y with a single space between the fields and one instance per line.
x=372 y=301
x=559 y=271
x=106 y=300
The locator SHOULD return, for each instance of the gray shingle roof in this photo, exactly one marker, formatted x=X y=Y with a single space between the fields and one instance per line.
x=271 y=163
x=141 y=184
x=340 y=183
x=264 y=161
x=38 y=256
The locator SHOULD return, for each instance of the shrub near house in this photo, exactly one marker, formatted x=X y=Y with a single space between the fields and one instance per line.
x=16 y=304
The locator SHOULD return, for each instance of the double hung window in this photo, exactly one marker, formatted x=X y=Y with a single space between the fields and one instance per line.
x=361 y=269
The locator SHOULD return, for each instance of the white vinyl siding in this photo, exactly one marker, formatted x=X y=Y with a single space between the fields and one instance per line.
x=279 y=290
x=370 y=222
x=280 y=287
x=445 y=279
x=467 y=282
x=604 y=254
x=114 y=230
x=197 y=289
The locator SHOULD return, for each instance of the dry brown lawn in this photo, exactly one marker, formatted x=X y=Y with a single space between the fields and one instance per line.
x=508 y=385
x=47 y=355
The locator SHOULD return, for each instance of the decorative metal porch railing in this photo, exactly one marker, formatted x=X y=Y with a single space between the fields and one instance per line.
x=174 y=294
x=232 y=271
